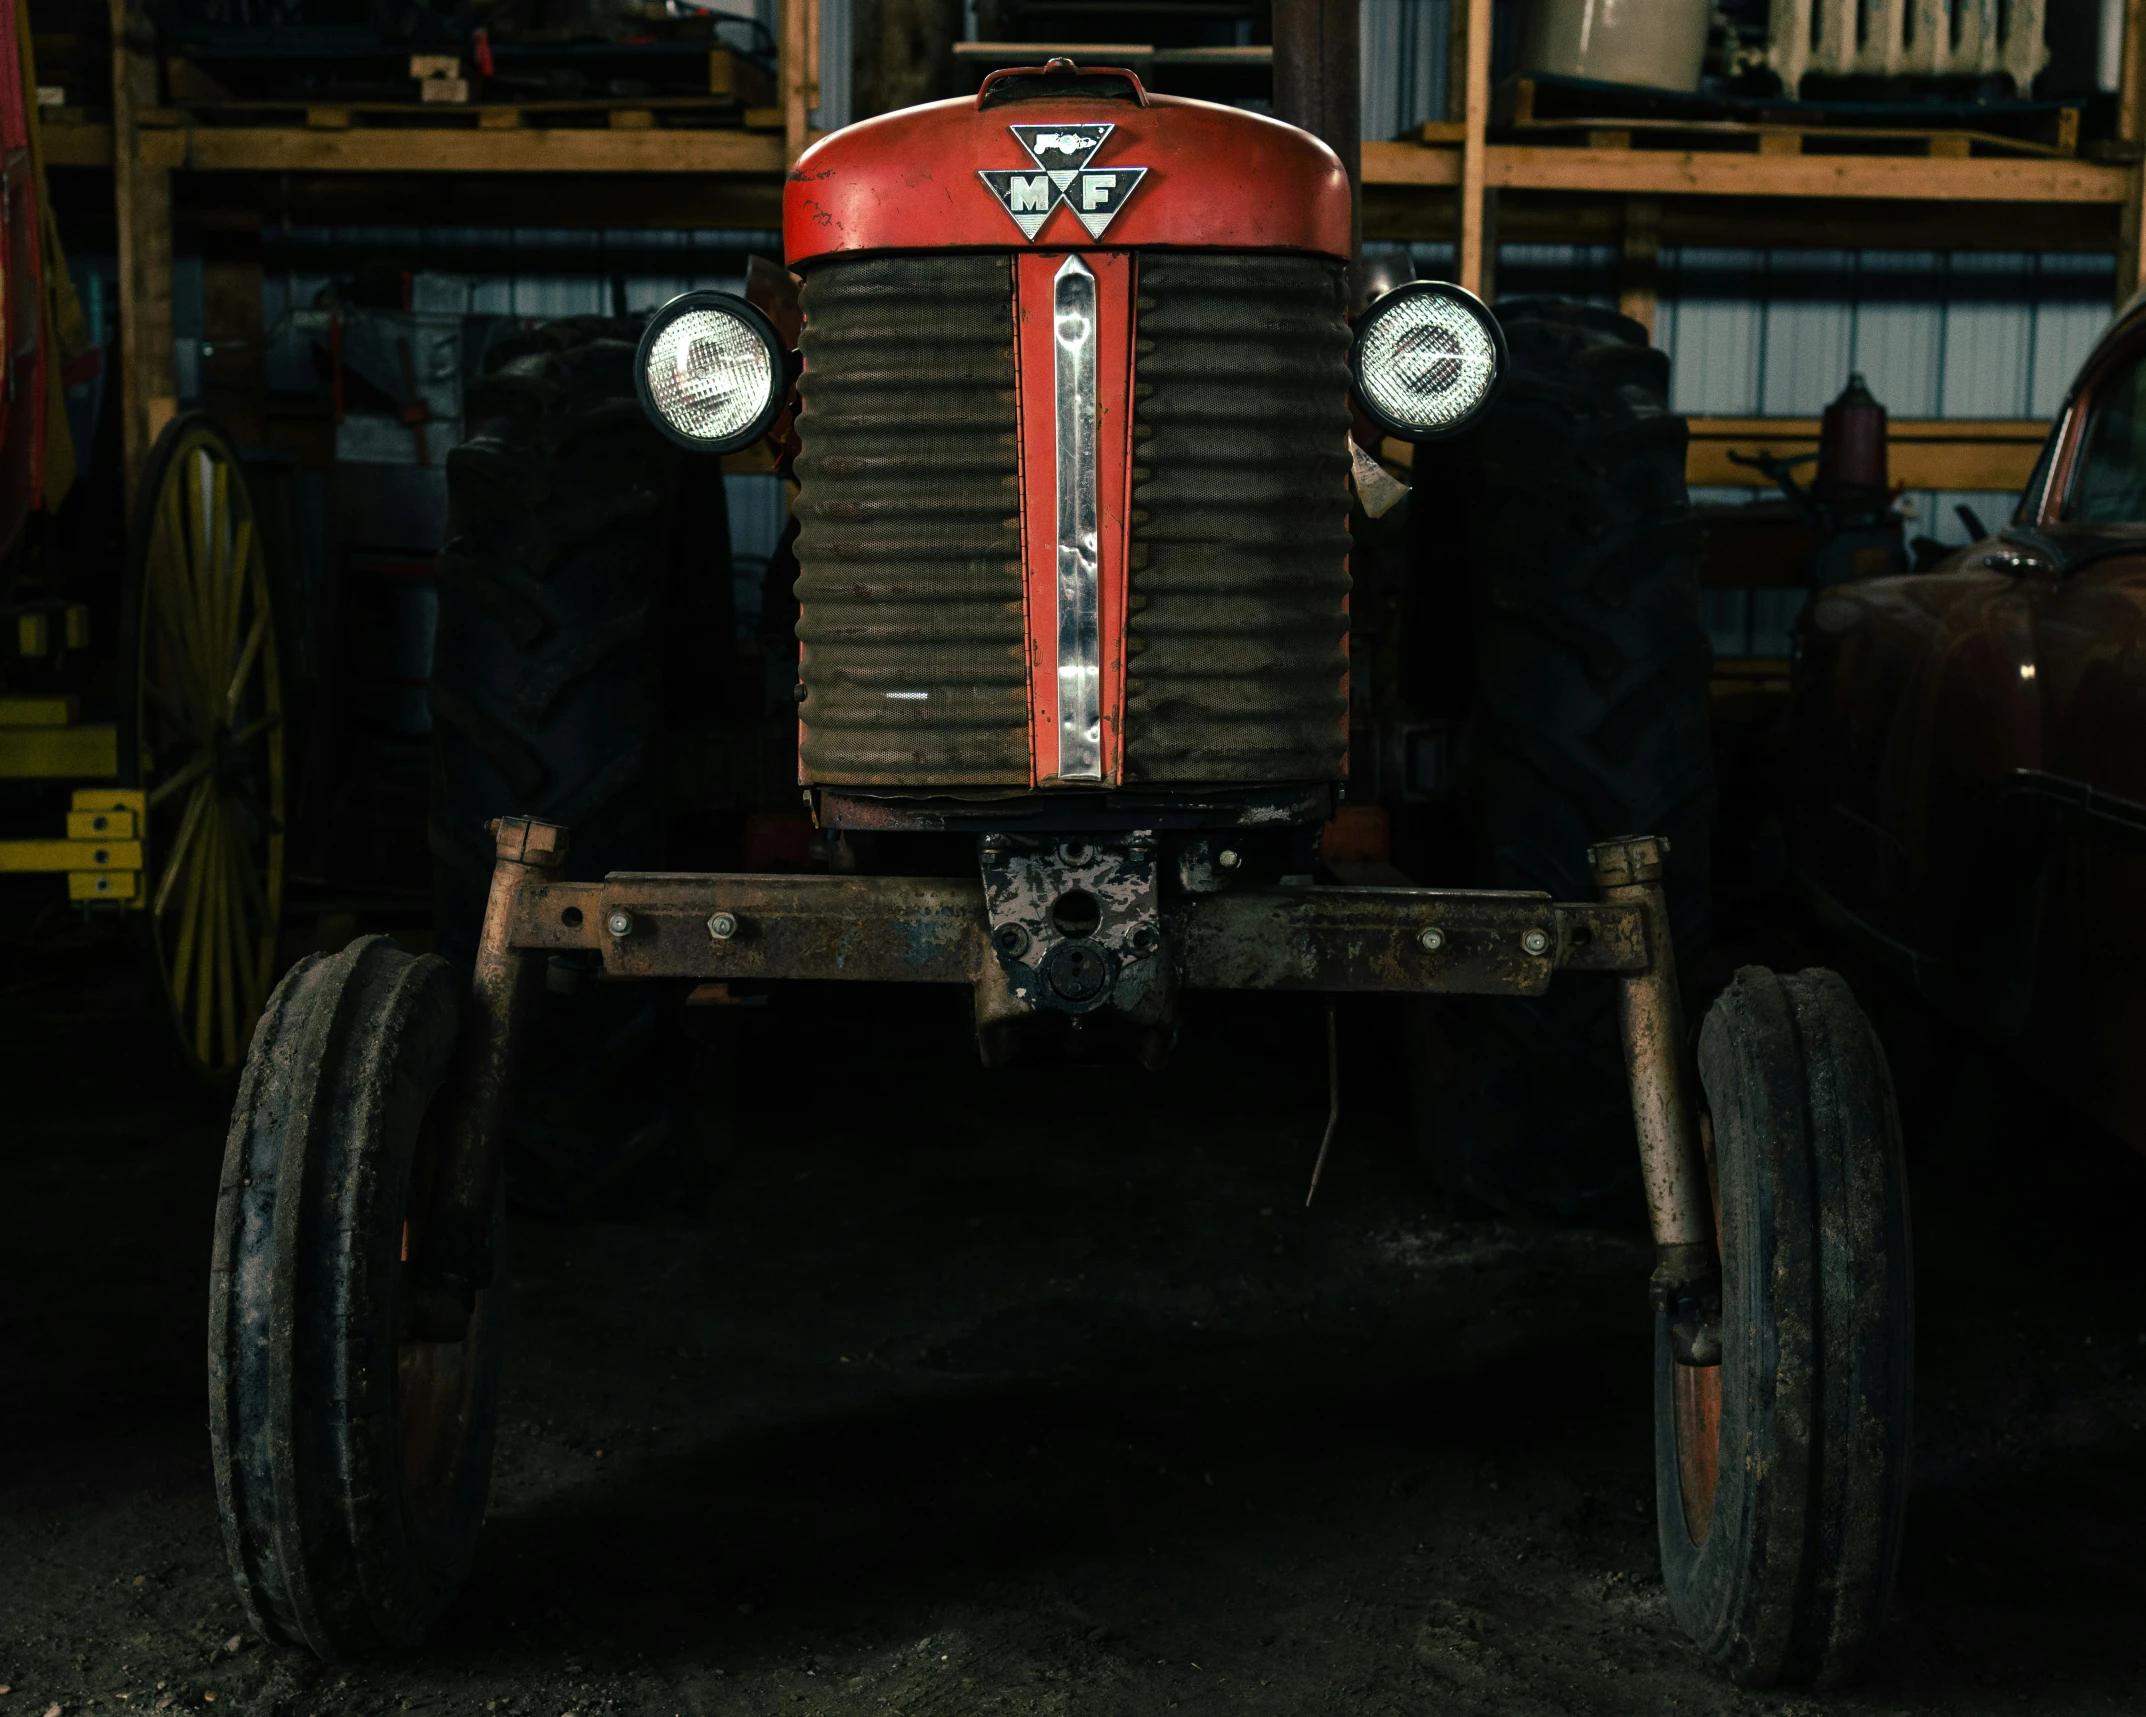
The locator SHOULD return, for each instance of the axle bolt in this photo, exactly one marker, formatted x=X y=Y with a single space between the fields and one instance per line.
x=1536 y=941
x=1432 y=939
x=620 y=923
x=722 y=925
x=1012 y=940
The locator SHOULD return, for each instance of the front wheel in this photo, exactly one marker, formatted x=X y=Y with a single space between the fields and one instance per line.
x=1781 y=1473
x=353 y=1455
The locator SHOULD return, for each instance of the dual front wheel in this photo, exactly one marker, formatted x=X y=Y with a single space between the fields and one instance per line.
x=1781 y=1473
x=353 y=1450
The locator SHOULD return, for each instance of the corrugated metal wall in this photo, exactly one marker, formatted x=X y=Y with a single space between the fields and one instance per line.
x=1403 y=44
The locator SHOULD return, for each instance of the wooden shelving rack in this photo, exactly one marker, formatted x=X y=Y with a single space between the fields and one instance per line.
x=145 y=142
x=1983 y=193
x=1461 y=155
x=1452 y=179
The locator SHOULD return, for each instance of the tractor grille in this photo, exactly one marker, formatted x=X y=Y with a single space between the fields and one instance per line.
x=909 y=537
x=1237 y=635
x=909 y=531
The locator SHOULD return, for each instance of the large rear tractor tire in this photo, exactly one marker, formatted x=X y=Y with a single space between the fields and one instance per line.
x=581 y=548
x=1558 y=533
x=352 y=1455
x=1781 y=1473
x=547 y=674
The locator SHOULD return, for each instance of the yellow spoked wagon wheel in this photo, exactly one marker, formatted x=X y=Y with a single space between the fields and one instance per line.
x=202 y=735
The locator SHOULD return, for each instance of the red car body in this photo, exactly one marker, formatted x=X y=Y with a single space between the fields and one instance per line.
x=1971 y=757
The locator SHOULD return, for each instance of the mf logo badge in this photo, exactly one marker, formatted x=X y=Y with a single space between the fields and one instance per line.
x=1062 y=175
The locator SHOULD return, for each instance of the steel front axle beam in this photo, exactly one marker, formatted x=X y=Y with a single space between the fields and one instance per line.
x=933 y=931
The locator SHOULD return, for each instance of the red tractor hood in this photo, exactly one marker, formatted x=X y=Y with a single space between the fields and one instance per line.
x=1075 y=171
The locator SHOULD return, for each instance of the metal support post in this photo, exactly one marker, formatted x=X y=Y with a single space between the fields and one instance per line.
x=795 y=62
x=1665 y=1113
x=457 y=1256
x=2131 y=130
x=1477 y=251
x=1318 y=85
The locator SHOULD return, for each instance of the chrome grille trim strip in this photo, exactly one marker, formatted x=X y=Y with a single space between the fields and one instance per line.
x=1080 y=644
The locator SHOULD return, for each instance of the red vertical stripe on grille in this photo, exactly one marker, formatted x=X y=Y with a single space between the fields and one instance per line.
x=1035 y=360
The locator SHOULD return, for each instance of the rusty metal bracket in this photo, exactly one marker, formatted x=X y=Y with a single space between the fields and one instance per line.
x=648 y=924
x=1416 y=941
x=457 y=1255
x=1665 y=1110
x=1077 y=922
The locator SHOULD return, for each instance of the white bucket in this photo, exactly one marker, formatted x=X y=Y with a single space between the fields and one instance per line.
x=1658 y=43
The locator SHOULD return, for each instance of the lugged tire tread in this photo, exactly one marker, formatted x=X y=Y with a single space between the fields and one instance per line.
x=305 y=1439
x=1559 y=531
x=547 y=677
x=1793 y=1580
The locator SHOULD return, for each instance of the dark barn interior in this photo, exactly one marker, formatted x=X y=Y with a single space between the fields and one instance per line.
x=1224 y=1279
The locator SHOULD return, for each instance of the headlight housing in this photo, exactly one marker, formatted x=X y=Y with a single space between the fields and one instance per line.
x=711 y=372
x=1428 y=358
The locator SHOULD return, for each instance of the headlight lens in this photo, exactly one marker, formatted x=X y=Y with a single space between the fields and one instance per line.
x=712 y=374
x=1427 y=359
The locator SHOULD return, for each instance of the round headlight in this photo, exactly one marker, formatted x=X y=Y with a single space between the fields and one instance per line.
x=1427 y=359
x=711 y=372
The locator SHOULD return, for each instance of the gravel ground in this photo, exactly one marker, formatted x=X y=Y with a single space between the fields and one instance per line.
x=1040 y=1391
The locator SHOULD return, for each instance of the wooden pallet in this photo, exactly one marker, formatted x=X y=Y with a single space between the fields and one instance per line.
x=641 y=114
x=1551 y=110
x=442 y=84
x=1728 y=137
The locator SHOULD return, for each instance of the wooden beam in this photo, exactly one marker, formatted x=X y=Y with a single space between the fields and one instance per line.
x=1419 y=214
x=423 y=149
x=1679 y=172
x=1973 y=454
x=1970 y=455
x=552 y=149
x=1613 y=172
x=2131 y=90
x=1640 y=265
x=149 y=393
x=1456 y=65
x=1474 y=196
x=77 y=145
x=2130 y=123
x=795 y=74
x=1409 y=164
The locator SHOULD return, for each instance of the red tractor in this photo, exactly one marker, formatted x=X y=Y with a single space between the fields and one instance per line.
x=1072 y=410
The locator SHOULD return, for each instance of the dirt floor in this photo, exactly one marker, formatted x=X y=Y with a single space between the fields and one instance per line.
x=1018 y=1392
